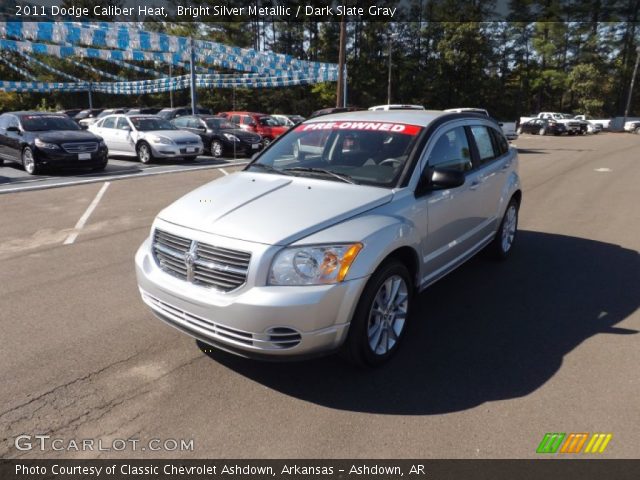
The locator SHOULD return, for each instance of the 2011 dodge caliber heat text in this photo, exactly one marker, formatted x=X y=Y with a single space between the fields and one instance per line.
x=323 y=241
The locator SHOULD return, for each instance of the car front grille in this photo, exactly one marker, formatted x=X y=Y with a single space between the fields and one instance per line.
x=187 y=142
x=276 y=338
x=200 y=263
x=80 y=147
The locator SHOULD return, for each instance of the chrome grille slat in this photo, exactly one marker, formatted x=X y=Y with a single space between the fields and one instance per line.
x=199 y=263
x=80 y=147
x=221 y=275
x=173 y=239
x=222 y=258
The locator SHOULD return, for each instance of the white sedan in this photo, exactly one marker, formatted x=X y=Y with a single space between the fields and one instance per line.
x=147 y=137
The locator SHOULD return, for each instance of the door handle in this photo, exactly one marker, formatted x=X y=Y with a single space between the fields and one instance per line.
x=475 y=184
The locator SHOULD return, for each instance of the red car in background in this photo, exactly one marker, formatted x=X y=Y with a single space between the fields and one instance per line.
x=264 y=125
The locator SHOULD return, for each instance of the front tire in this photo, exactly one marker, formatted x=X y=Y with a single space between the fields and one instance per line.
x=636 y=131
x=502 y=244
x=100 y=167
x=380 y=320
x=144 y=153
x=216 y=148
x=542 y=131
x=29 y=162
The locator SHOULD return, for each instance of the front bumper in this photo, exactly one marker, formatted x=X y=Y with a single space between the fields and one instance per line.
x=61 y=159
x=161 y=150
x=253 y=321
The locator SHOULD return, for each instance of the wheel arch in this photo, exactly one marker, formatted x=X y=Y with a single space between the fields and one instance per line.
x=409 y=258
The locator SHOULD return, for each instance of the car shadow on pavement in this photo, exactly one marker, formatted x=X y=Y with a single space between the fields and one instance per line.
x=489 y=331
x=531 y=150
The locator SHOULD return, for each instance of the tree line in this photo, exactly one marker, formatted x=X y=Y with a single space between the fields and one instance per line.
x=576 y=57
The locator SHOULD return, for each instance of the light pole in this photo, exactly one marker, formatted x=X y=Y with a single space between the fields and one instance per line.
x=633 y=80
x=340 y=91
x=391 y=37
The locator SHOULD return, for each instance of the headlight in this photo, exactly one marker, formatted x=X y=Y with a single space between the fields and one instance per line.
x=231 y=137
x=50 y=146
x=162 y=140
x=313 y=265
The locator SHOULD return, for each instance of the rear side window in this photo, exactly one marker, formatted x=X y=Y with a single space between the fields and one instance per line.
x=502 y=146
x=122 y=124
x=451 y=151
x=484 y=143
x=181 y=122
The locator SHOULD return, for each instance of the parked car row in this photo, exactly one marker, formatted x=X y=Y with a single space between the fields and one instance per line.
x=86 y=138
x=554 y=123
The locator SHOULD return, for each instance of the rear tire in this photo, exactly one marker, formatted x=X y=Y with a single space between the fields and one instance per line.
x=542 y=131
x=502 y=245
x=636 y=131
x=381 y=317
x=29 y=162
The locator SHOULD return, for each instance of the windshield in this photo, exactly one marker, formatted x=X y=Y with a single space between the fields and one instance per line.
x=372 y=153
x=41 y=123
x=220 y=124
x=268 y=122
x=147 y=124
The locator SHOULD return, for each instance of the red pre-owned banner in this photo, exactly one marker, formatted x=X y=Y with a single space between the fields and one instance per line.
x=373 y=126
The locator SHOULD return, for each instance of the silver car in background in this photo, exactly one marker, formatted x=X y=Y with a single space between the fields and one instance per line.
x=146 y=137
x=324 y=240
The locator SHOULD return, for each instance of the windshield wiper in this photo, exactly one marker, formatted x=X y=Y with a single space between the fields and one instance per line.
x=268 y=168
x=341 y=176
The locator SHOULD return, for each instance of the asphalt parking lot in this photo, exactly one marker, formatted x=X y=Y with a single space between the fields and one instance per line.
x=498 y=354
x=13 y=178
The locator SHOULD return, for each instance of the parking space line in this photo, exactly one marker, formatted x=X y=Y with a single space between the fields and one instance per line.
x=85 y=216
x=224 y=171
x=112 y=177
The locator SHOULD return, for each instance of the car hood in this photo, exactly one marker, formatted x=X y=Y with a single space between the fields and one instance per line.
x=66 y=136
x=241 y=134
x=272 y=209
x=175 y=135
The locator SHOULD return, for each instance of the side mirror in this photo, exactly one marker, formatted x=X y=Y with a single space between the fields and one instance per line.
x=445 y=178
x=439 y=178
x=13 y=129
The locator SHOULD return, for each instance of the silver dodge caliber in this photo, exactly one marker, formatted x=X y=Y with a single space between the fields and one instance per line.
x=323 y=241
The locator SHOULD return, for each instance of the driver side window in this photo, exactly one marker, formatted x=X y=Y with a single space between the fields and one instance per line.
x=451 y=151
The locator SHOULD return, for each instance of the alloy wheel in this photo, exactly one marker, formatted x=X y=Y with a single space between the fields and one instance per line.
x=388 y=315
x=509 y=228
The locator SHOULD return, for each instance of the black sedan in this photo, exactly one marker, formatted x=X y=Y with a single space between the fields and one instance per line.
x=542 y=126
x=220 y=136
x=40 y=139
